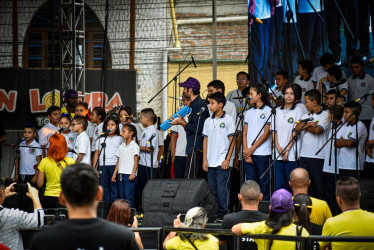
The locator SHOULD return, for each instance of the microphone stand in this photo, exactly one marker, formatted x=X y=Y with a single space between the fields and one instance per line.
x=194 y=145
x=151 y=149
x=103 y=146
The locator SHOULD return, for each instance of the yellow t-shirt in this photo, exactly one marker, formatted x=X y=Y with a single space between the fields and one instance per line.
x=177 y=243
x=320 y=211
x=52 y=174
x=261 y=228
x=350 y=223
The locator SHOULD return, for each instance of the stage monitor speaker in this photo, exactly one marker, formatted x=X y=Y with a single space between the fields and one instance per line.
x=367 y=194
x=164 y=199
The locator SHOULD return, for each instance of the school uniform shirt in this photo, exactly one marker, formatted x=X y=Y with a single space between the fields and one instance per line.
x=239 y=103
x=28 y=157
x=347 y=156
x=285 y=122
x=70 y=141
x=301 y=106
x=218 y=130
x=112 y=144
x=310 y=143
x=46 y=132
x=180 y=148
x=262 y=9
x=319 y=73
x=331 y=168
x=292 y=4
x=82 y=146
x=358 y=87
x=160 y=136
x=305 y=7
x=126 y=155
x=255 y=118
x=305 y=84
x=90 y=129
x=145 y=157
x=98 y=131
x=139 y=130
x=328 y=86
x=229 y=109
x=371 y=137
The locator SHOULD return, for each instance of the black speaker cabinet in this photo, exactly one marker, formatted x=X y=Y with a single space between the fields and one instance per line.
x=367 y=194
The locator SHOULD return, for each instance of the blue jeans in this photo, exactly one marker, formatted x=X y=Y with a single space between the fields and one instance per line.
x=179 y=166
x=110 y=187
x=283 y=170
x=255 y=170
x=218 y=180
x=127 y=188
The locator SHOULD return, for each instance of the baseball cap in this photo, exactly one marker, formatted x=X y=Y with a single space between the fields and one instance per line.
x=192 y=83
x=281 y=201
x=70 y=93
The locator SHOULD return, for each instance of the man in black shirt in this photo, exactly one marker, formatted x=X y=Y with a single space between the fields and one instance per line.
x=80 y=194
x=249 y=197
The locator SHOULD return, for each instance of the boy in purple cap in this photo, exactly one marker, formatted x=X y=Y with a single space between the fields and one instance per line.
x=191 y=90
x=279 y=222
x=71 y=100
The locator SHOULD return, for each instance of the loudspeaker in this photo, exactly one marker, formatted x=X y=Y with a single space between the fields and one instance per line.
x=164 y=199
x=103 y=209
x=367 y=194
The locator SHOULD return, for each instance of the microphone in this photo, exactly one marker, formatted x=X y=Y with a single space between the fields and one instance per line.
x=256 y=19
x=201 y=111
x=365 y=96
x=105 y=133
x=61 y=129
x=129 y=117
x=370 y=61
x=151 y=138
x=338 y=83
x=278 y=98
x=72 y=151
x=193 y=61
x=306 y=120
x=20 y=140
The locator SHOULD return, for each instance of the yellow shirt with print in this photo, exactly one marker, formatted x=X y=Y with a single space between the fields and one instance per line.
x=350 y=223
x=176 y=243
x=52 y=174
x=261 y=228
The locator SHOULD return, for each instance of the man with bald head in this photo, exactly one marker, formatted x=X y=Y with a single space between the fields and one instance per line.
x=250 y=196
x=299 y=183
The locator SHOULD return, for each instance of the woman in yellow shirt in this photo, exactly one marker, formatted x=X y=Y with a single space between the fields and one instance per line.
x=51 y=168
x=279 y=222
x=195 y=218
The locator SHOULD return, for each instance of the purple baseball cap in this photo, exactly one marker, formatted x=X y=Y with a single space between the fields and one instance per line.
x=192 y=83
x=281 y=201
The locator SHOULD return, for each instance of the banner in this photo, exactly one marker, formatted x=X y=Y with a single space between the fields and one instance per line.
x=26 y=94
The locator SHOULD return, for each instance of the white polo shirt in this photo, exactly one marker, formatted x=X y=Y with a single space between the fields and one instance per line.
x=98 y=131
x=358 y=87
x=126 y=155
x=310 y=143
x=45 y=133
x=293 y=9
x=70 y=141
x=319 y=73
x=262 y=9
x=112 y=144
x=239 y=103
x=285 y=122
x=229 y=109
x=180 y=148
x=218 y=131
x=90 y=129
x=28 y=157
x=304 y=6
x=255 y=119
x=347 y=156
x=160 y=138
x=139 y=130
x=82 y=146
x=371 y=137
x=301 y=106
x=145 y=157
x=305 y=84
x=326 y=167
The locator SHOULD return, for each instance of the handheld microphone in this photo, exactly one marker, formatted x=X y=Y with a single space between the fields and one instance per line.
x=365 y=96
x=278 y=98
x=72 y=151
x=201 y=111
x=248 y=98
x=129 y=117
x=306 y=120
x=61 y=129
x=151 y=138
x=106 y=133
x=193 y=61
x=256 y=19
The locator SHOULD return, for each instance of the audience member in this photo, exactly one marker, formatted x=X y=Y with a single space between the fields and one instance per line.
x=303 y=206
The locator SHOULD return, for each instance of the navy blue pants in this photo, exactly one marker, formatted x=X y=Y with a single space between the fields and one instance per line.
x=144 y=174
x=283 y=170
x=127 y=188
x=345 y=172
x=330 y=191
x=290 y=55
x=110 y=187
x=314 y=167
x=179 y=166
x=254 y=171
x=260 y=46
x=218 y=180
